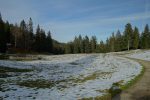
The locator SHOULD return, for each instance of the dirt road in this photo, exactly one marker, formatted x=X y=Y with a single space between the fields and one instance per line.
x=141 y=89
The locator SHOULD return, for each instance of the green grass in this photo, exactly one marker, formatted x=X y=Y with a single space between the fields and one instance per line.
x=133 y=81
x=104 y=97
x=39 y=83
x=3 y=56
x=113 y=92
x=4 y=71
x=8 y=69
x=21 y=59
x=121 y=87
x=92 y=76
x=115 y=89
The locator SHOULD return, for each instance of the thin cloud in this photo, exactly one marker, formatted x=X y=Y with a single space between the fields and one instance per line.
x=72 y=28
x=96 y=21
x=67 y=18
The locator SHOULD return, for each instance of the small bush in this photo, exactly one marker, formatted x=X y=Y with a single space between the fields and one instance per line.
x=115 y=89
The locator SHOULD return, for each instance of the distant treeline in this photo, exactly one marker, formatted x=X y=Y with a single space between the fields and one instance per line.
x=131 y=38
x=21 y=39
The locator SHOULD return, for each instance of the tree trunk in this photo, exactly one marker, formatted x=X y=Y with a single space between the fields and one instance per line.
x=128 y=45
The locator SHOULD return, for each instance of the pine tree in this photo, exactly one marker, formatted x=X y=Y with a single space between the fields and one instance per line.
x=112 y=42
x=30 y=35
x=15 y=36
x=145 y=38
x=102 y=47
x=49 y=42
x=93 y=43
x=37 y=39
x=7 y=32
x=2 y=36
x=136 y=38
x=107 y=45
x=128 y=34
x=118 y=41
x=83 y=45
x=80 y=44
x=42 y=44
x=69 y=48
x=76 y=45
x=87 y=44
x=23 y=38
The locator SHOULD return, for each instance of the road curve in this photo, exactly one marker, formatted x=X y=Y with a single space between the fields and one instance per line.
x=139 y=90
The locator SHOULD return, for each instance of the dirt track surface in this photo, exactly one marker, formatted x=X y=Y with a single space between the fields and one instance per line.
x=141 y=89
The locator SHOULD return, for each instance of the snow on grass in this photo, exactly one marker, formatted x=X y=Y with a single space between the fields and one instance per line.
x=143 y=55
x=68 y=77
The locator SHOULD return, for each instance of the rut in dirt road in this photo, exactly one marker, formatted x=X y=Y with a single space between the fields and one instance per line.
x=141 y=89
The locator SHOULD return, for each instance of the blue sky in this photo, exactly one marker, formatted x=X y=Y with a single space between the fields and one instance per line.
x=68 y=18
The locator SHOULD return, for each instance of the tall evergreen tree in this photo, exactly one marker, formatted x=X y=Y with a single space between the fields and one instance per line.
x=42 y=44
x=93 y=43
x=118 y=42
x=37 y=39
x=49 y=42
x=87 y=44
x=30 y=35
x=128 y=34
x=23 y=38
x=15 y=39
x=107 y=45
x=102 y=47
x=2 y=36
x=136 y=38
x=80 y=44
x=69 y=48
x=145 y=38
x=7 y=32
x=76 y=45
x=112 y=42
x=83 y=45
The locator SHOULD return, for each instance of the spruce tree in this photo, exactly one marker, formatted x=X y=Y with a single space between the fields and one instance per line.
x=107 y=45
x=37 y=39
x=7 y=32
x=128 y=34
x=145 y=38
x=102 y=47
x=83 y=45
x=76 y=45
x=118 y=41
x=80 y=44
x=69 y=48
x=87 y=44
x=23 y=36
x=30 y=35
x=93 y=43
x=42 y=44
x=49 y=42
x=112 y=43
x=136 y=38
x=2 y=36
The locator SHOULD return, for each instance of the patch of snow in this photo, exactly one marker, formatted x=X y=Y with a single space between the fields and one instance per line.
x=104 y=70
x=143 y=55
